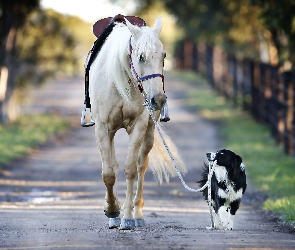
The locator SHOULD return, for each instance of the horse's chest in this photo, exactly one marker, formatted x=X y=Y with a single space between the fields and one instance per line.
x=130 y=115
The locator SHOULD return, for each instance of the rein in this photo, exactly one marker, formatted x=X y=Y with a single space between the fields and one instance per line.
x=211 y=164
x=150 y=111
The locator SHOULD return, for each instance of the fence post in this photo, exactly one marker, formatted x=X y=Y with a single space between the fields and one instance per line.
x=293 y=122
x=281 y=108
x=274 y=108
x=180 y=56
x=262 y=99
x=202 y=59
x=247 y=76
x=188 y=54
x=235 y=81
x=288 y=114
x=267 y=94
x=255 y=90
x=209 y=64
x=226 y=76
x=195 y=58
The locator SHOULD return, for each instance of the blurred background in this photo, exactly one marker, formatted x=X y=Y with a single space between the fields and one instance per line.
x=50 y=38
x=244 y=50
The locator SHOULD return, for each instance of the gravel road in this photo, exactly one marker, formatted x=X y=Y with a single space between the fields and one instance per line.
x=53 y=198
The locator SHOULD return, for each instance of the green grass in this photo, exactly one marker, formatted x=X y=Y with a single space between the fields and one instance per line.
x=18 y=138
x=270 y=170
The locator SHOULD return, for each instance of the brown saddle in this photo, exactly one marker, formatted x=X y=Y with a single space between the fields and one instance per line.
x=100 y=25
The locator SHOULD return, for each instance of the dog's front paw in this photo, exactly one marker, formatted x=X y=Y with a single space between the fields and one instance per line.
x=217 y=222
x=230 y=223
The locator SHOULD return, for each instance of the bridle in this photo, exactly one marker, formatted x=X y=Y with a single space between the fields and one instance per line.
x=140 y=79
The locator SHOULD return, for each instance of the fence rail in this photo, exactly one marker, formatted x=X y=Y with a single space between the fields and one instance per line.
x=259 y=88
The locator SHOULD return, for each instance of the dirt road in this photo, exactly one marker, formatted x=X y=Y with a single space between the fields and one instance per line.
x=53 y=198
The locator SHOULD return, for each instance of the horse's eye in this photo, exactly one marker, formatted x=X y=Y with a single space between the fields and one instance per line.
x=142 y=58
x=164 y=55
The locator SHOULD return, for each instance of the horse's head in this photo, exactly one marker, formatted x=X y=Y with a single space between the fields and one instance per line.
x=147 y=56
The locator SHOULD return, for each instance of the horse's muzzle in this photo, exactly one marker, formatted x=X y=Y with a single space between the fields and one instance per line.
x=158 y=101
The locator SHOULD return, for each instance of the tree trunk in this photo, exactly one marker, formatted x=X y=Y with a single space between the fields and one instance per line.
x=7 y=77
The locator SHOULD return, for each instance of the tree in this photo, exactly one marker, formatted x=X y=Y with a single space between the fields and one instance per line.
x=279 y=18
x=48 y=44
x=46 y=47
x=246 y=27
x=233 y=25
x=12 y=15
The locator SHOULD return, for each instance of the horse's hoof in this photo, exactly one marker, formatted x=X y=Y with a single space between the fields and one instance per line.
x=112 y=214
x=114 y=223
x=127 y=224
x=139 y=223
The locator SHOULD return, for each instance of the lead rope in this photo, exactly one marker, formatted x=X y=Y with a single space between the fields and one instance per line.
x=211 y=164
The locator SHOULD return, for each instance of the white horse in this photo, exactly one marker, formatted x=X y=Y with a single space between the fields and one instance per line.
x=117 y=102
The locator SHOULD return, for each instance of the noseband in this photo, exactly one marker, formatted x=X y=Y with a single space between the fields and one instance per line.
x=140 y=79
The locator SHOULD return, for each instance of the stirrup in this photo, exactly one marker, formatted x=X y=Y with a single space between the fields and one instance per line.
x=164 y=117
x=83 y=124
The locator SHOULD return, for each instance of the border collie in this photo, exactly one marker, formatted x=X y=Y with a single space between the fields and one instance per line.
x=228 y=184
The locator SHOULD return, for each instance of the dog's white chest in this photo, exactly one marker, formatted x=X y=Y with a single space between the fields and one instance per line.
x=221 y=174
x=229 y=194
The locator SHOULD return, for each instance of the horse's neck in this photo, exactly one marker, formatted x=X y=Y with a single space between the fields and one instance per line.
x=115 y=63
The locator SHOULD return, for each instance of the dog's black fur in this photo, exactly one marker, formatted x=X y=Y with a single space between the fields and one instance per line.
x=228 y=184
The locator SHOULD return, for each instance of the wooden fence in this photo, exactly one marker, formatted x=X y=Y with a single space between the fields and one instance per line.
x=259 y=88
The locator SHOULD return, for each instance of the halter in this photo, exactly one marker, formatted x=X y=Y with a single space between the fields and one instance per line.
x=142 y=78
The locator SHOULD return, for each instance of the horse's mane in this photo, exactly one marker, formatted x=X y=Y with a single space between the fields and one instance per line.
x=113 y=57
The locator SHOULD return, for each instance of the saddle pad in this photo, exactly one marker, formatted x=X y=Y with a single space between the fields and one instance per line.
x=100 y=25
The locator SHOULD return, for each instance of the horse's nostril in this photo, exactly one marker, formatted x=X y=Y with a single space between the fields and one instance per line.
x=153 y=102
x=158 y=101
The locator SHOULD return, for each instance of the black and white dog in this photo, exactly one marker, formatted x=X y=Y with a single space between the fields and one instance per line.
x=228 y=184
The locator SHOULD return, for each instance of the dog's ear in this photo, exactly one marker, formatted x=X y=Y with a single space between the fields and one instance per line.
x=236 y=162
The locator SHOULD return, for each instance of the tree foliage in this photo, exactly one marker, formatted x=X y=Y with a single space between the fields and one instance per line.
x=37 y=44
x=12 y=16
x=279 y=18
x=247 y=27
x=46 y=46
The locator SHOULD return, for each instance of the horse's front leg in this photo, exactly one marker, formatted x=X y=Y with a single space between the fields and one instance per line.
x=143 y=162
x=130 y=171
x=109 y=171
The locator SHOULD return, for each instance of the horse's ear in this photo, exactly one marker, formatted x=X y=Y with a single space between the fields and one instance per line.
x=133 y=28
x=158 y=26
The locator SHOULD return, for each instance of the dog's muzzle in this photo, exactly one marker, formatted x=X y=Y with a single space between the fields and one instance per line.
x=211 y=156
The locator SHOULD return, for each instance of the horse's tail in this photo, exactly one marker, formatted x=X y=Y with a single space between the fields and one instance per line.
x=160 y=162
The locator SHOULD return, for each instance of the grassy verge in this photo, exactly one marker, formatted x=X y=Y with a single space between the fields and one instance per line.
x=18 y=138
x=269 y=169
